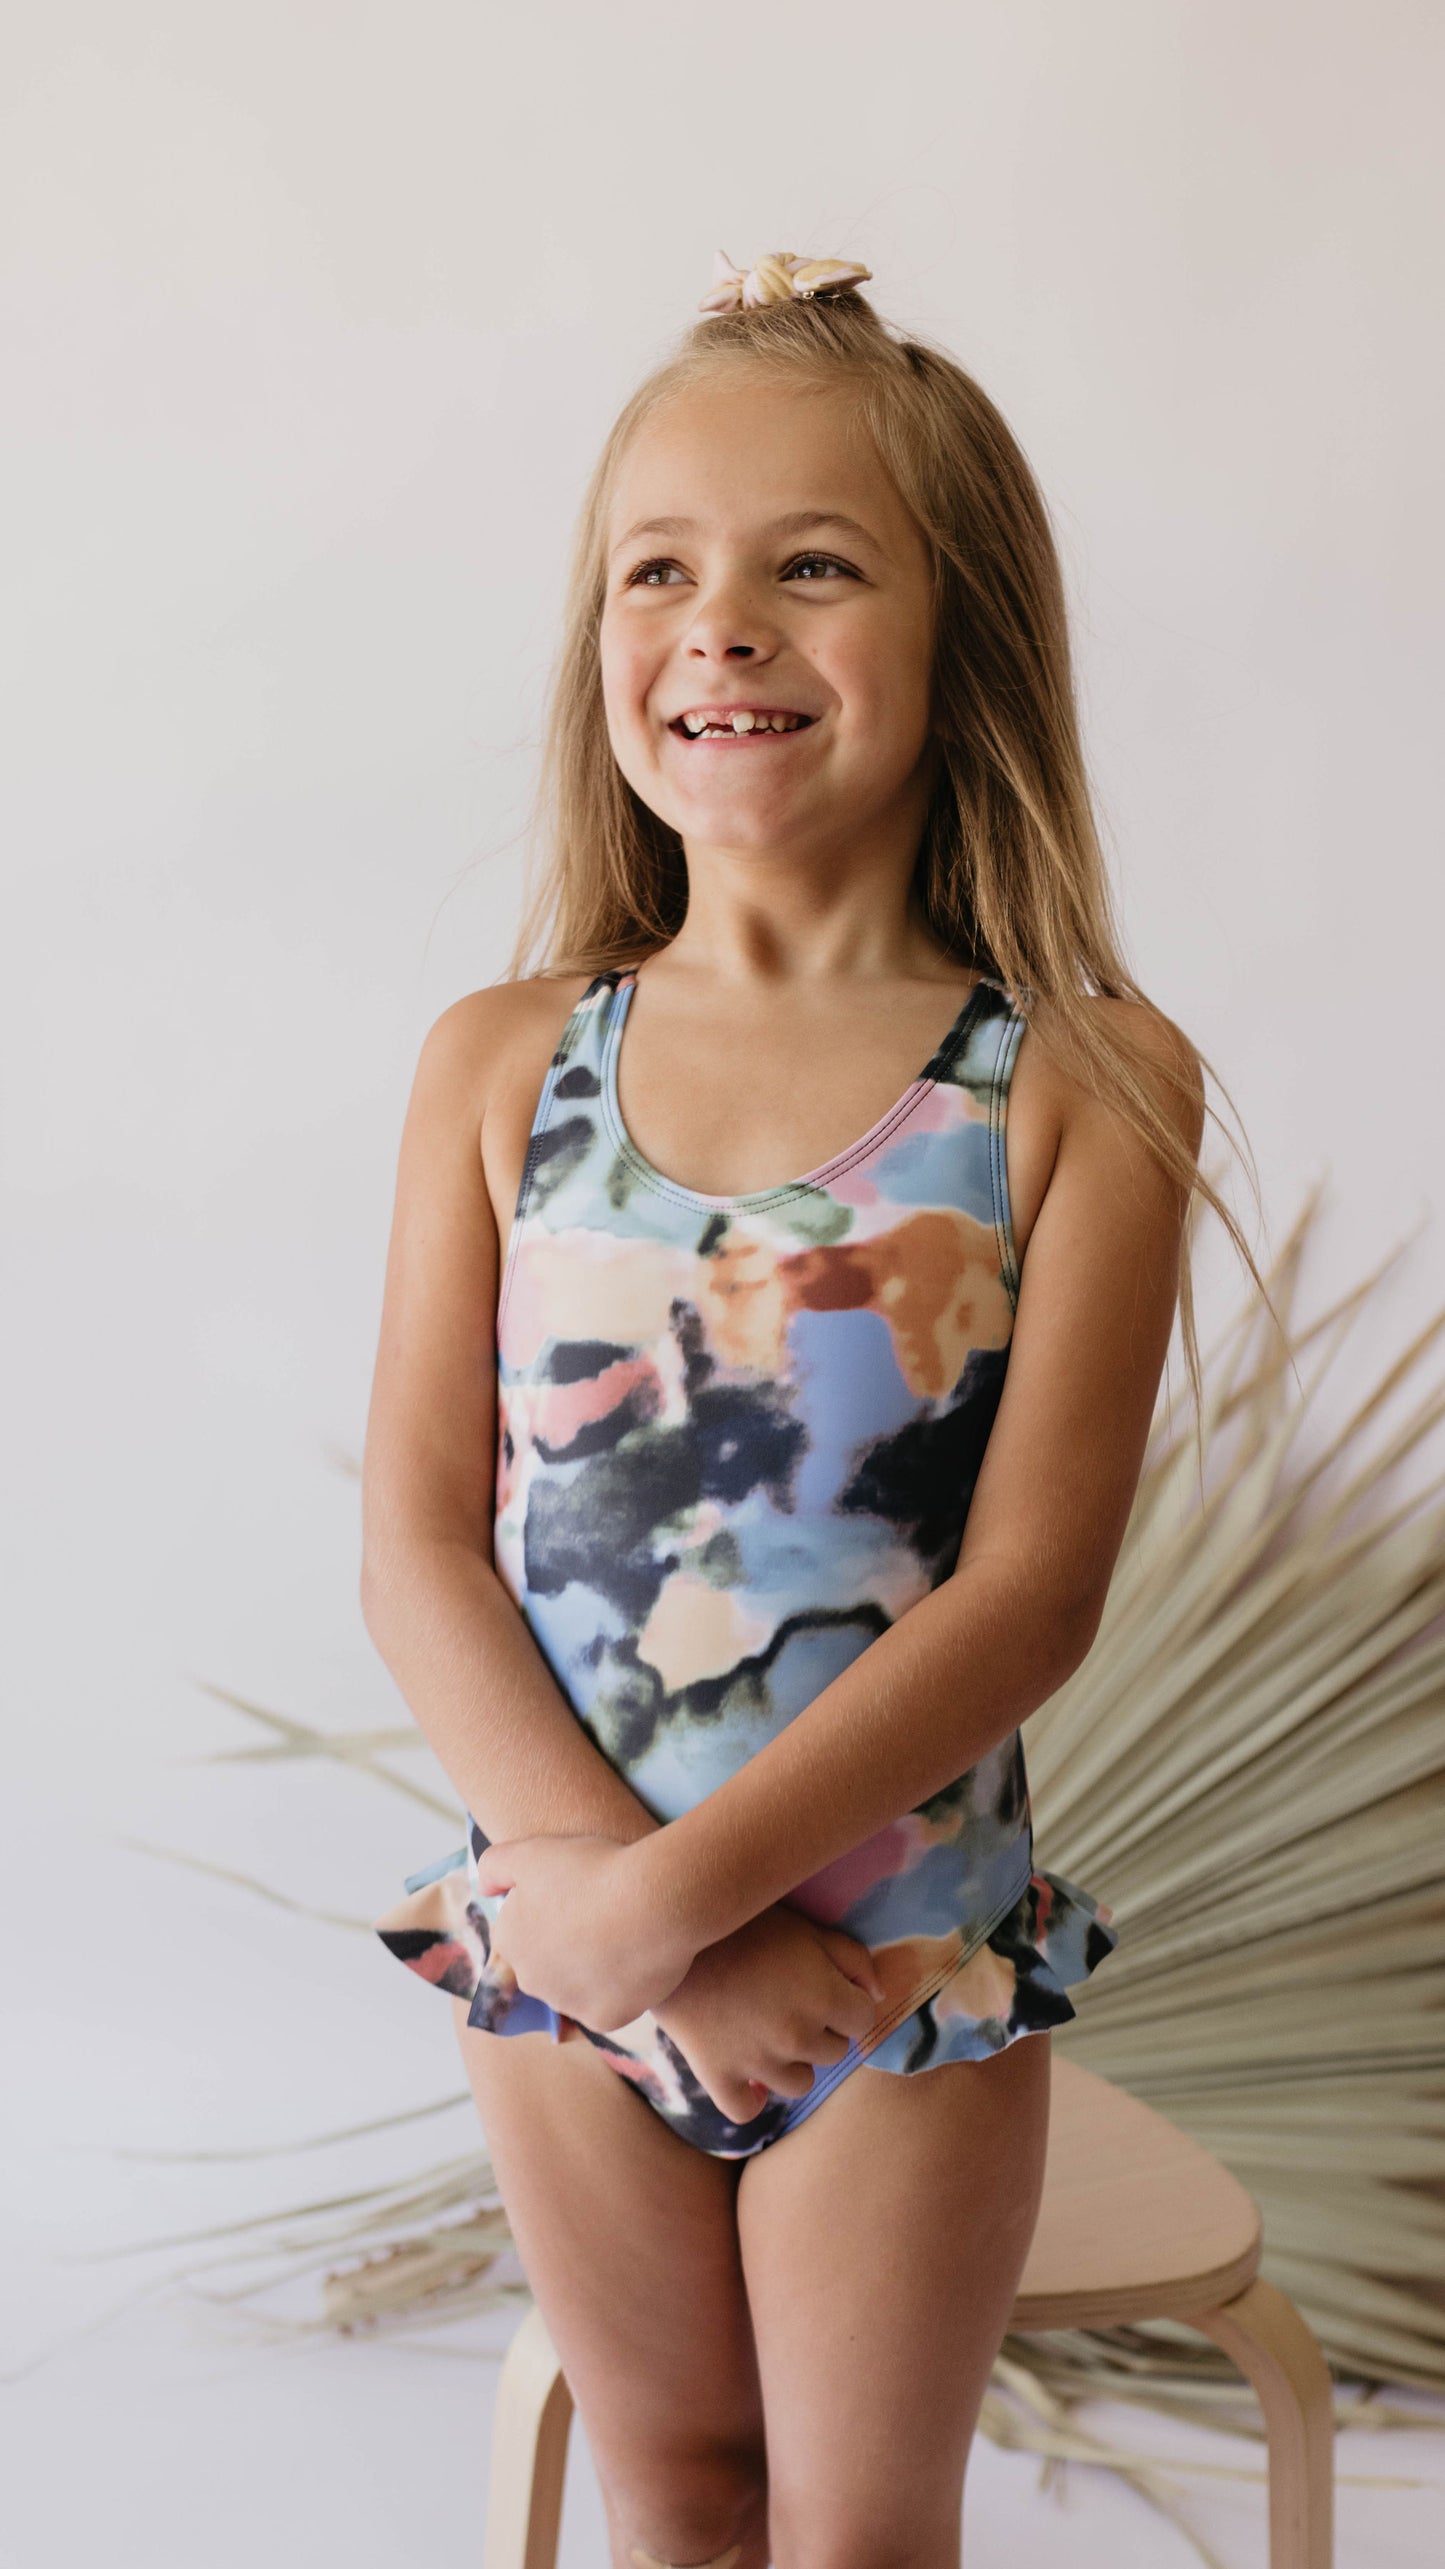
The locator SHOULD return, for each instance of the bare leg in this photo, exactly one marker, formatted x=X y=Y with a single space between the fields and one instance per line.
x=882 y=2244
x=629 y=2240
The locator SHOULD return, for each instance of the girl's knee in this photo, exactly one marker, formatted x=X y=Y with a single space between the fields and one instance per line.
x=694 y=2510
x=815 y=2534
x=728 y=2559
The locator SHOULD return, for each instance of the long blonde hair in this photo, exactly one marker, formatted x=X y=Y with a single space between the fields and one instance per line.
x=1010 y=876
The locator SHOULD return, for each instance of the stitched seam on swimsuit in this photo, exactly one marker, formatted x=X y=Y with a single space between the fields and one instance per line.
x=760 y=1199
x=930 y=1988
x=1009 y=1040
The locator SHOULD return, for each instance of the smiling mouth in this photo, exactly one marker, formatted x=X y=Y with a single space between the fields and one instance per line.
x=741 y=722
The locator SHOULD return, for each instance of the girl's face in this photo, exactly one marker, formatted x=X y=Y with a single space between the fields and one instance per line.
x=763 y=571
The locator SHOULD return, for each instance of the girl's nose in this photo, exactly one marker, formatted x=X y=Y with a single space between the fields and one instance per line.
x=728 y=624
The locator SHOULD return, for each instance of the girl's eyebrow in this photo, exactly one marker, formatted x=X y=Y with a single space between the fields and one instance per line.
x=799 y=521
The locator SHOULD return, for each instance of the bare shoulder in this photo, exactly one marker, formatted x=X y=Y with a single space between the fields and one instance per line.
x=494 y=1045
x=1059 y=1115
x=1147 y=1044
x=1164 y=1060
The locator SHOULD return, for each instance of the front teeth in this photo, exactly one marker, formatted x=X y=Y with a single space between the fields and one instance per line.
x=699 y=728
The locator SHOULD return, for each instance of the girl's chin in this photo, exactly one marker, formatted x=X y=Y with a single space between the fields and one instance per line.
x=738 y=821
x=740 y=800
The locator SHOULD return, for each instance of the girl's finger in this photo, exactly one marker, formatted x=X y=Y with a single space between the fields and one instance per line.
x=740 y=2099
x=852 y=2009
x=794 y=2078
x=495 y=1871
x=854 y=1961
x=829 y=2047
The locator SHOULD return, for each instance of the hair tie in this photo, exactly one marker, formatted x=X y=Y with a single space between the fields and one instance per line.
x=780 y=277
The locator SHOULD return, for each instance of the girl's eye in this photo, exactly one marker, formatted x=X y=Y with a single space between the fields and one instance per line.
x=811 y=567
x=826 y=561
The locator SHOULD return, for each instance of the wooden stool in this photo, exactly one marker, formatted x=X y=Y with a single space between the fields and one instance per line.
x=1137 y=2222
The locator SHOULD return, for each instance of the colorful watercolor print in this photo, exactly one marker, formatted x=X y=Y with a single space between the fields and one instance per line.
x=737 y=1439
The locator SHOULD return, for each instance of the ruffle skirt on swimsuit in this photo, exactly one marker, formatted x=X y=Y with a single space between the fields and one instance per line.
x=980 y=1994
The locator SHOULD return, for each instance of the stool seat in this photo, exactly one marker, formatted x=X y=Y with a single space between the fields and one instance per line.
x=1137 y=2220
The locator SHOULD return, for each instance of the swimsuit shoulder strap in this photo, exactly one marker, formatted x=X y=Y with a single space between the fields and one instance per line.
x=979 y=1056
x=566 y=1113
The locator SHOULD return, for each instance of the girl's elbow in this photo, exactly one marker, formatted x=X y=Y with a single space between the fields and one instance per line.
x=1073 y=1628
x=372 y=1590
x=382 y=1582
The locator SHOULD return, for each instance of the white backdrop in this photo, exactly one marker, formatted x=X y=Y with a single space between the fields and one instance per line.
x=315 y=315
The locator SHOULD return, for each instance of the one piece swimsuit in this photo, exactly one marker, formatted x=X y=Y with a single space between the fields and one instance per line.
x=737 y=1437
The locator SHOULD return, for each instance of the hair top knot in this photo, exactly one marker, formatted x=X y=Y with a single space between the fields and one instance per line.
x=778 y=277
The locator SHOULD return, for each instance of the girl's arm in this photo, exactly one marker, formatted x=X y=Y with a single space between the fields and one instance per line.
x=471 y=1672
x=963 y=1668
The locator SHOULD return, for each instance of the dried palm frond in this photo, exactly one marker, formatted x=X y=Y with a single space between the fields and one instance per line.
x=1250 y=1768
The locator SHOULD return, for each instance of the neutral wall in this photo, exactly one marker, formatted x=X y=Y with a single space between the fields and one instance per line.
x=316 y=314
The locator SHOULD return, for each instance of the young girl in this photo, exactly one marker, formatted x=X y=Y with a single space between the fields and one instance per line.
x=724 y=1523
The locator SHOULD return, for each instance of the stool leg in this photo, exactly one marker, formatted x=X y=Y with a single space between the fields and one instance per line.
x=1263 y=2333
x=529 y=2453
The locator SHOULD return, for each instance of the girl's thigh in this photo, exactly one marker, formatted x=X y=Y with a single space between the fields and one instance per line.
x=629 y=2241
x=882 y=2243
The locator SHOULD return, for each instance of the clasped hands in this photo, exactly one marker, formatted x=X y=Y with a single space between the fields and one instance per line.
x=584 y=1928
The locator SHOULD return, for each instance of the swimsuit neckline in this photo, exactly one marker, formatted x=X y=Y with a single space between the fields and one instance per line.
x=625 y=982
